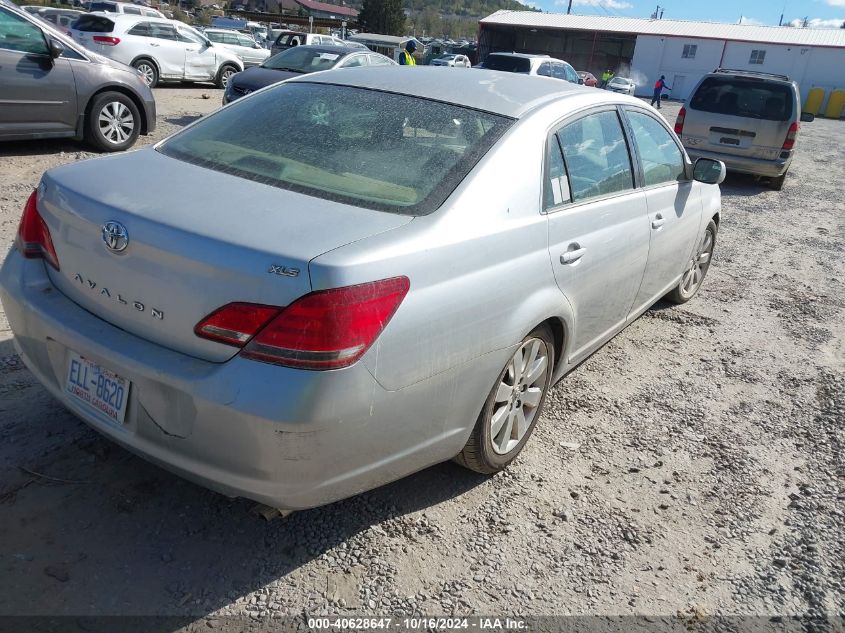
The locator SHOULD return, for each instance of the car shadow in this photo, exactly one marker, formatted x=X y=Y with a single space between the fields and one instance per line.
x=183 y=120
x=39 y=147
x=744 y=185
x=81 y=517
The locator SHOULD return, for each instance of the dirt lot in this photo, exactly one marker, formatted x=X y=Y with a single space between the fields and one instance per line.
x=694 y=465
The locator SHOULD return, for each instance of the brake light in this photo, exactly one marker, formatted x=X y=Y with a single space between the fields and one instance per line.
x=236 y=323
x=679 y=122
x=327 y=329
x=789 y=142
x=108 y=40
x=33 y=240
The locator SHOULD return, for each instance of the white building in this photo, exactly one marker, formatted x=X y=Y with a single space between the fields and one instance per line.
x=682 y=51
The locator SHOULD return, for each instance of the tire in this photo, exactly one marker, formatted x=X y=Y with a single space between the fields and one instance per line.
x=696 y=268
x=489 y=452
x=777 y=183
x=149 y=71
x=224 y=74
x=113 y=122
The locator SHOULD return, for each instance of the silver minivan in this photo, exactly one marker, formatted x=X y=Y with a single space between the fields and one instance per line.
x=748 y=120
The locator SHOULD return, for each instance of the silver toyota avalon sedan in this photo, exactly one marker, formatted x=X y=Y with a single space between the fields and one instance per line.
x=350 y=276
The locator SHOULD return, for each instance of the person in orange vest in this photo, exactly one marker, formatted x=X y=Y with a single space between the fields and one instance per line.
x=407 y=56
x=659 y=85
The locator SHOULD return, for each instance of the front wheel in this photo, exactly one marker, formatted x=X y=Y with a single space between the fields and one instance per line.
x=696 y=268
x=114 y=122
x=225 y=73
x=513 y=406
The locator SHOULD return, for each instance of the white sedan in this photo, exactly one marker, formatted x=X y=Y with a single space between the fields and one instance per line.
x=622 y=85
x=454 y=61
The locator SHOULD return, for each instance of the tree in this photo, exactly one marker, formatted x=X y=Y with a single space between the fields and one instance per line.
x=382 y=16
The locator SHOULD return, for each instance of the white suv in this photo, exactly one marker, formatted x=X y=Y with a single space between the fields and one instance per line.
x=160 y=49
x=124 y=7
x=250 y=52
x=528 y=64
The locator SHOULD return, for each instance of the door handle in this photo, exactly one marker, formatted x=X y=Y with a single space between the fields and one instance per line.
x=570 y=257
x=154 y=44
x=657 y=222
x=192 y=50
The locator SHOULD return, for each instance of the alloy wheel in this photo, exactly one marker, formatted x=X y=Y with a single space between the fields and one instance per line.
x=697 y=267
x=148 y=73
x=518 y=395
x=116 y=122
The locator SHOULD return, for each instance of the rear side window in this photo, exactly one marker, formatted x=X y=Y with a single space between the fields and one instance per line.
x=366 y=148
x=596 y=156
x=132 y=10
x=508 y=63
x=751 y=98
x=94 y=24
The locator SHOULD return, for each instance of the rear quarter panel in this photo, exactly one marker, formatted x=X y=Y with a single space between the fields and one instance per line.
x=479 y=268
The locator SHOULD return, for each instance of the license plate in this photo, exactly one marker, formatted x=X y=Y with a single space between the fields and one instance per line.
x=729 y=141
x=97 y=387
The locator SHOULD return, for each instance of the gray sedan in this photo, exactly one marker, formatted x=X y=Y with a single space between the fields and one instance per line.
x=382 y=270
x=53 y=88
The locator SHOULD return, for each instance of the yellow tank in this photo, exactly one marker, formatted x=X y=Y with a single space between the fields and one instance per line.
x=835 y=104
x=814 y=101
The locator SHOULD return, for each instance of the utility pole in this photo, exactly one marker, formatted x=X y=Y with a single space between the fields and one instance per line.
x=569 y=8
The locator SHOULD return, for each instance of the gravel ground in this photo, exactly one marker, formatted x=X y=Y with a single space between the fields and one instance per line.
x=693 y=466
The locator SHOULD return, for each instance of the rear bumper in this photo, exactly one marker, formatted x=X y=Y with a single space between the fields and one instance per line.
x=743 y=164
x=288 y=438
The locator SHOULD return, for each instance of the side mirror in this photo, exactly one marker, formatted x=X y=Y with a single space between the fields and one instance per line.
x=807 y=117
x=580 y=81
x=709 y=171
x=56 y=48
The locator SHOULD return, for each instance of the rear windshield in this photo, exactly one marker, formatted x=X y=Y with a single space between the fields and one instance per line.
x=303 y=60
x=508 y=63
x=93 y=24
x=752 y=98
x=103 y=6
x=290 y=39
x=363 y=147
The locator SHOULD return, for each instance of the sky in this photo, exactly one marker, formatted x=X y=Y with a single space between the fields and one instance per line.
x=820 y=13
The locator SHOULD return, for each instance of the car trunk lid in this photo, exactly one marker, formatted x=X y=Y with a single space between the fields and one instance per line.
x=197 y=240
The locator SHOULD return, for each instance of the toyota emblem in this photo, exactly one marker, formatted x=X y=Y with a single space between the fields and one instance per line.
x=115 y=236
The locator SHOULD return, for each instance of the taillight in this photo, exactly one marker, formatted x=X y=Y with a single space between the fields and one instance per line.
x=236 y=323
x=33 y=238
x=327 y=329
x=789 y=142
x=108 y=40
x=679 y=122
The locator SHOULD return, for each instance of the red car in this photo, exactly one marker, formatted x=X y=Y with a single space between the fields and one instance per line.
x=588 y=78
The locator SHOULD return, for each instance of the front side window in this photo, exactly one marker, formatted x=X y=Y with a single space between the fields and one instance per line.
x=757 y=57
x=544 y=69
x=243 y=40
x=16 y=34
x=379 y=60
x=132 y=10
x=162 y=31
x=660 y=156
x=108 y=7
x=302 y=60
x=596 y=156
x=354 y=60
x=215 y=37
x=379 y=150
x=559 y=71
x=689 y=51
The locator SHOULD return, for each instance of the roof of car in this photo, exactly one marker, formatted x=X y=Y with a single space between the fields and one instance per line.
x=508 y=94
x=132 y=17
x=523 y=55
x=329 y=48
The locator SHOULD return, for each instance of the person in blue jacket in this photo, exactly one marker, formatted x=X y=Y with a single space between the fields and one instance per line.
x=659 y=85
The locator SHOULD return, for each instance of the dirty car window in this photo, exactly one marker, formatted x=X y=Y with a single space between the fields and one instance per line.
x=363 y=147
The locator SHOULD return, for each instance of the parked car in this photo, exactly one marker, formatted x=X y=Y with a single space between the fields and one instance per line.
x=588 y=79
x=300 y=60
x=748 y=120
x=353 y=321
x=128 y=8
x=289 y=39
x=60 y=18
x=528 y=64
x=53 y=88
x=247 y=49
x=160 y=49
x=622 y=85
x=459 y=61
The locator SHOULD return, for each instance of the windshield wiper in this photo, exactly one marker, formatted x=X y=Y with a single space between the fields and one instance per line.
x=290 y=70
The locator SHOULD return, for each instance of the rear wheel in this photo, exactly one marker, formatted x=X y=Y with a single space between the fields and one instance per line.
x=113 y=122
x=224 y=75
x=513 y=406
x=697 y=267
x=148 y=70
x=777 y=183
